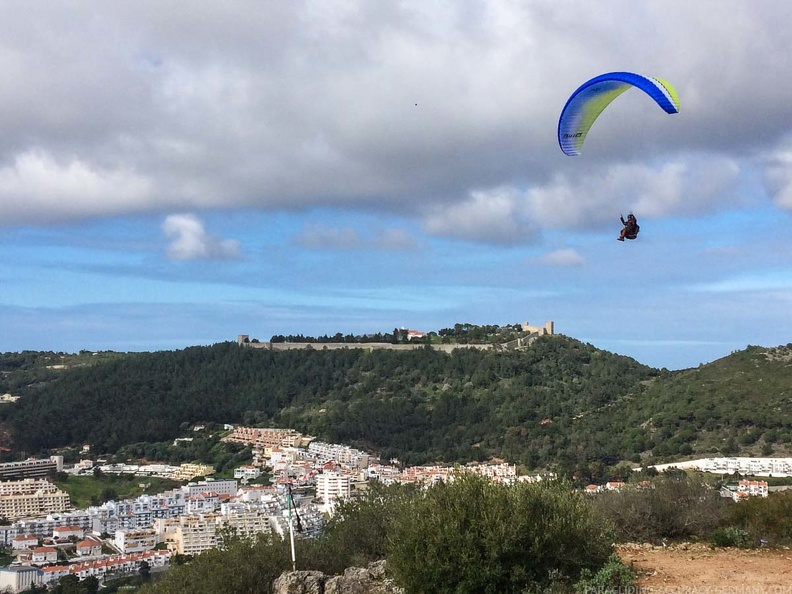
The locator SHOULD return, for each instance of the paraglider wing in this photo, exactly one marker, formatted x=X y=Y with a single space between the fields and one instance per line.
x=588 y=101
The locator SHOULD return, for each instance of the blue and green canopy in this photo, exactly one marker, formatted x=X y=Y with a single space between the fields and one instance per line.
x=586 y=104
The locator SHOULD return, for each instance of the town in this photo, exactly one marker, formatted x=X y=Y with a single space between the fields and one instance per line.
x=49 y=540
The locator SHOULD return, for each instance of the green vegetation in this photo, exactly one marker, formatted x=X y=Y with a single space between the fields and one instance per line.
x=614 y=576
x=673 y=506
x=85 y=491
x=729 y=536
x=467 y=536
x=474 y=536
x=764 y=519
x=559 y=404
x=35 y=369
x=205 y=447
x=5 y=557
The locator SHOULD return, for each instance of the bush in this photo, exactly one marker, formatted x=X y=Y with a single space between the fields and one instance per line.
x=674 y=506
x=764 y=518
x=729 y=536
x=357 y=532
x=475 y=536
x=614 y=576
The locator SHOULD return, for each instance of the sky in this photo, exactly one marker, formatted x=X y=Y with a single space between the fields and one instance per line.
x=176 y=175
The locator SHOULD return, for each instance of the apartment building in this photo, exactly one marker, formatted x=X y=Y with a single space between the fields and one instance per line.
x=135 y=541
x=333 y=485
x=342 y=454
x=188 y=535
x=187 y=472
x=30 y=498
x=43 y=527
x=31 y=468
x=262 y=438
x=220 y=487
x=245 y=524
x=17 y=579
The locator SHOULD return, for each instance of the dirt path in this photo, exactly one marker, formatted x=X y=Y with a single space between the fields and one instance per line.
x=698 y=569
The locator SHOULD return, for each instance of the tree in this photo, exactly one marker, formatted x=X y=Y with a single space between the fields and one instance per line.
x=474 y=536
x=145 y=571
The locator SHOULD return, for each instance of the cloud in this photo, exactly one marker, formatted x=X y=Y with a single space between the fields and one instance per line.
x=397 y=240
x=683 y=186
x=409 y=107
x=37 y=188
x=761 y=281
x=563 y=257
x=190 y=241
x=494 y=216
x=319 y=236
x=322 y=237
x=778 y=176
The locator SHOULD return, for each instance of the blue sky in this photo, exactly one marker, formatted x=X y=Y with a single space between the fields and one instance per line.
x=261 y=168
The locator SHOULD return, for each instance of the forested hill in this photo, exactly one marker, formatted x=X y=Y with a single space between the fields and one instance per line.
x=559 y=403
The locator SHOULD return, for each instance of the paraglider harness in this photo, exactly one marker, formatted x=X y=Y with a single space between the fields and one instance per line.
x=631 y=227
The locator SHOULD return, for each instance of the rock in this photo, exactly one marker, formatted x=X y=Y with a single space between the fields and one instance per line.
x=356 y=580
x=299 y=582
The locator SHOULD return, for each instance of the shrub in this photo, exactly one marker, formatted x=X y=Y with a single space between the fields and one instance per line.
x=729 y=536
x=614 y=576
x=674 y=506
x=764 y=518
x=475 y=536
x=356 y=534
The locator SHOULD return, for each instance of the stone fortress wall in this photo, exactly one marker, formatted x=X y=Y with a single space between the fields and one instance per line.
x=534 y=332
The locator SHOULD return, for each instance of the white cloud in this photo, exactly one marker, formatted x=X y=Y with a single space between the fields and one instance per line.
x=589 y=198
x=381 y=106
x=36 y=187
x=562 y=257
x=761 y=281
x=396 y=239
x=494 y=216
x=190 y=241
x=778 y=177
x=322 y=237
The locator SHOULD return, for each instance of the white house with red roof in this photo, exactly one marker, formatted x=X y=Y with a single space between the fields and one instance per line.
x=89 y=548
x=52 y=573
x=247 y=472
x=66 y=532
x=415 y=334
x=44 y=555
x=753 y=488
x=26 y=541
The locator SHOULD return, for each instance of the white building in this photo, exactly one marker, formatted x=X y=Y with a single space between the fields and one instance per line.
x=753 y=488
x=188 y=535
x=221 y=487
x=247 y=473
x=135 y=541
x=43 y=555
x=17 y=579
x=88 y=548
x=333 y=485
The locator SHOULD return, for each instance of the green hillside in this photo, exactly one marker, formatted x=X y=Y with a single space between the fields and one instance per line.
x=558 y=404
x=737 y=405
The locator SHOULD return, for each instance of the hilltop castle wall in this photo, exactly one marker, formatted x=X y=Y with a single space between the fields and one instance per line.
x=533 y=331
x=244 y=340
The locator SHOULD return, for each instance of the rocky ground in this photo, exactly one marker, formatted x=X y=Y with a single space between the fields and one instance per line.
x=699 y=569
x=676 y=569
